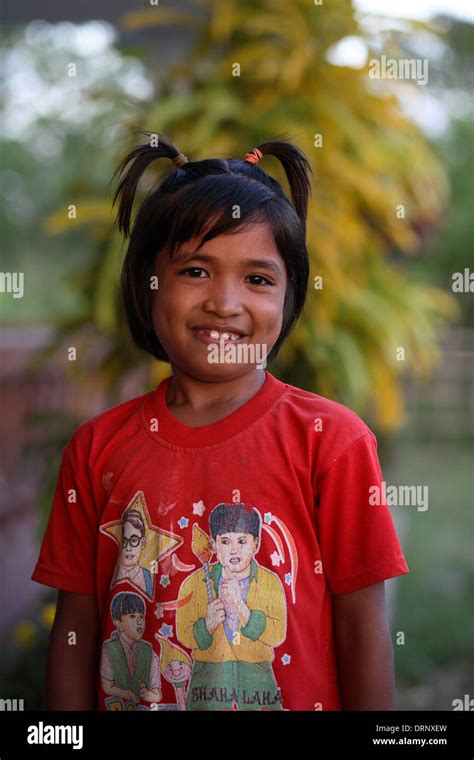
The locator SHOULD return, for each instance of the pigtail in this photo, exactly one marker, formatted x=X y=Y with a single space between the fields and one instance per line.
x=140 y=157
x=297 y=169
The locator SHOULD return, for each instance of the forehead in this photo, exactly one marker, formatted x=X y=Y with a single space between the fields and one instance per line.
x=251 y=245
x=259 y=234
x=129 y=528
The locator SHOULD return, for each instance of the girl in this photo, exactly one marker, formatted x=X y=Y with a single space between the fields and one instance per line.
x=264 y=553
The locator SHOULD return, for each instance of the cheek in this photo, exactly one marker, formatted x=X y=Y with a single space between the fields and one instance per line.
x=159 y=307
x=169 y=309
x=270 y=315
x=164 y=298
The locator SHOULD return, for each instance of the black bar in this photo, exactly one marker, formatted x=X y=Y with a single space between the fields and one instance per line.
x=211 y=734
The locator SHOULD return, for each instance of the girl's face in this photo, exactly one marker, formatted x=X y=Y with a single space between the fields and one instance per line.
x=218 y=286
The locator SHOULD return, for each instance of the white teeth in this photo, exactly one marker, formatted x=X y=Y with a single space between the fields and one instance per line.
x=215 y=335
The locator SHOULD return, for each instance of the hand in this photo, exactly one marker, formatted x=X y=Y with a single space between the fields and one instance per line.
x=215 y=615
x=230 y=591
x=150 y=696
x=129 y=694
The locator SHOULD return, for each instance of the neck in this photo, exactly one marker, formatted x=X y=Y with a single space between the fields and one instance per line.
x=198 y=396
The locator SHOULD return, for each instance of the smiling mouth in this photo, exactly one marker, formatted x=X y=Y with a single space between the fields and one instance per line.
x=213 y=336
x=235 y=560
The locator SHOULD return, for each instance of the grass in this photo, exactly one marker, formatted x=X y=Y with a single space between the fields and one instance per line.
x=433 y=604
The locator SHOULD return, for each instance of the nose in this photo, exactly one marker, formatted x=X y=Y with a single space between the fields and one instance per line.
x=224 y=298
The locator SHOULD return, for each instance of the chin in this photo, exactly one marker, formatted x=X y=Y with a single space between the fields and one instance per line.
x=214 y=372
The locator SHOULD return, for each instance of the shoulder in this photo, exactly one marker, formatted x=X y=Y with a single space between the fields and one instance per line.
x=92 y=434
x=192 y=580
x=268 y=577
x=322 y=413
x=322 y=428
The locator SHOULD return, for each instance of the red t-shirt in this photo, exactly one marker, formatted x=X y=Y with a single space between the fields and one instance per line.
x=213 y=551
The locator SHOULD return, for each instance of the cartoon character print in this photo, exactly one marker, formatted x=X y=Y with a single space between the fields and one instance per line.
x=234 y=616
x=130 y=669
x=176 y=667
x=229 y=615
x=141 y=546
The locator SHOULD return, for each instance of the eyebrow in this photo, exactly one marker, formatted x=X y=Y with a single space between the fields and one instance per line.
x=268 y=264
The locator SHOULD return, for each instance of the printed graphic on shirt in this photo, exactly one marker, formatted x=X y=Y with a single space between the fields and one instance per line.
x=141 y=546
x=234 y=616
x=129 y=669
x=229 y=614
x=176 y=667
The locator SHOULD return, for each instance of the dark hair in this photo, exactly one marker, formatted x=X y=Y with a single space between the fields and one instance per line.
x=134 y=517
x=126 y=603
x=199 y=196
x=234 y=518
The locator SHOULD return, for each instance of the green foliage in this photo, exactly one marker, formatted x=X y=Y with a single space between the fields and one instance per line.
x=23 y=655
x=438 y=550
x=372 y=163
x=451 y=250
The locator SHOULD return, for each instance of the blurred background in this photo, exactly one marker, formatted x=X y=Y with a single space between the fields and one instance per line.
x=390 y=232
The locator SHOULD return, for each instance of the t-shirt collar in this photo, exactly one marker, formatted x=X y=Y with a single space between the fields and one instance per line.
x=164 y=427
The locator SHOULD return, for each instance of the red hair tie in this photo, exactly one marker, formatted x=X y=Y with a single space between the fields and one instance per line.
x=254 y=156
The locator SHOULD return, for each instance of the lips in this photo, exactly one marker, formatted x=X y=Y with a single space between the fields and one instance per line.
x=235 y=561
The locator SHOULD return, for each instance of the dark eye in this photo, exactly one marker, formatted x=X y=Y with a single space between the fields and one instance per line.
x=260 y=277
x=192 y=269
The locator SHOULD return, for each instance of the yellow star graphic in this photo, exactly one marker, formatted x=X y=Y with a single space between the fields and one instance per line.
x=159 y=543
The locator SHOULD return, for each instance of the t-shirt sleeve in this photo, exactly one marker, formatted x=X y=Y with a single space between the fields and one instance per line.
x=357 y=536
x=67 y=556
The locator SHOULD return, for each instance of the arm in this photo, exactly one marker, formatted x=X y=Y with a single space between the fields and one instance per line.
x=71 y=670
x=364 y=650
